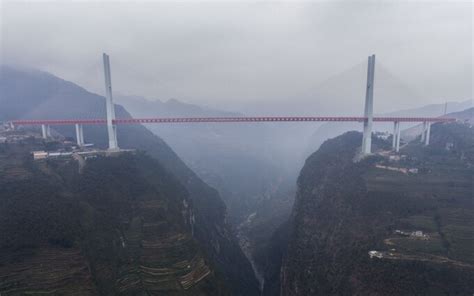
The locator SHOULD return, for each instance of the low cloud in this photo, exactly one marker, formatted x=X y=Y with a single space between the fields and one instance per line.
x=245 y=53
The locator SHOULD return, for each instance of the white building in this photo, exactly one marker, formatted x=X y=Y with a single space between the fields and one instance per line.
x=40 y=155
x=419 y=234
x=375 y=254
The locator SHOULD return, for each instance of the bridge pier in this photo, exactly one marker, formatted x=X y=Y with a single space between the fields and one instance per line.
x=425 y=133
x=79 y=135
x=396 y=136
x=423 y=129
x=45 y=131
x=369 y=108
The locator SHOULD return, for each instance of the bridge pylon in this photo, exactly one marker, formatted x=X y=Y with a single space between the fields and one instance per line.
x=369 y=107
x=111 y=127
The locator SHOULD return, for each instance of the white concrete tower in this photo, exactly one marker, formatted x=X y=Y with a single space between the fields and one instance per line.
x=46 y=131
x=79 y=135
x=111 y=127
x=427 y=133
x=423 y=132
x=43 y=131
x=369 y=107
x=396 y=136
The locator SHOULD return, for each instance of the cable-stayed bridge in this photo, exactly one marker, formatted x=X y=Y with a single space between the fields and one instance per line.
x=111 y=121
x=230 y=120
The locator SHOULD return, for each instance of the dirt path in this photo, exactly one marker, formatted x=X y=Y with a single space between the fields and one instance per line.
x=426 y=258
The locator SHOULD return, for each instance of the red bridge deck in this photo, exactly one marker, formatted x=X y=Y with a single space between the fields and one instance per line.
x=229 y=119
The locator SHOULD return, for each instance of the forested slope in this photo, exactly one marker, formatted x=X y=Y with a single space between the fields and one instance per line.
x=344 y=209
x=34 y=94
x=123 y=226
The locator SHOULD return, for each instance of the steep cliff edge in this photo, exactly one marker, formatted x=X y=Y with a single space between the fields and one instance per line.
x=30 y=94
x=123 y=226
x=418 y=223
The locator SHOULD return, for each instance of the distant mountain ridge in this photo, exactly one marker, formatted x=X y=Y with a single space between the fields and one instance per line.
x=466 y=115
x=170 y=107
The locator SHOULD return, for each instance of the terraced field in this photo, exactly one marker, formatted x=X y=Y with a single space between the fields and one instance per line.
x=46 y=271
x=438 y=201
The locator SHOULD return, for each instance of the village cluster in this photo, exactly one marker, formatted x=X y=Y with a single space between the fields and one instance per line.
x=64 y=148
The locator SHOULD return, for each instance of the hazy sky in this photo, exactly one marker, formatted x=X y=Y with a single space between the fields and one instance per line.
x=246 y=52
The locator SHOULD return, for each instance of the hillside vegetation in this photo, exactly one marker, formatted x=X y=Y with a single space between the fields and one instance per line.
x=344 y=209
x=32 y=94
x=124 y=226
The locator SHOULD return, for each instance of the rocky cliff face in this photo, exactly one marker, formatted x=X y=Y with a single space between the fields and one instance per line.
x=345 y=209
x=34 y=94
